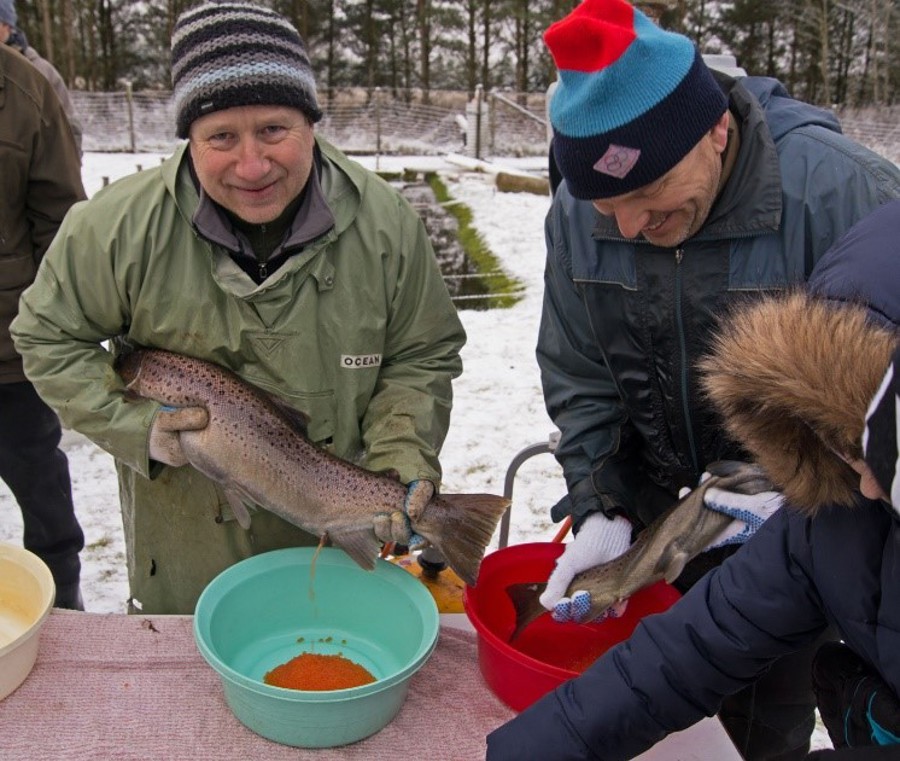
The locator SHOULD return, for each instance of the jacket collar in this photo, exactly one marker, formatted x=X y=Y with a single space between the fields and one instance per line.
x=312 y=220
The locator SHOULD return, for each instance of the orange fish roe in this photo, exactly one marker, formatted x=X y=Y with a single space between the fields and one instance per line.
x=310 y=671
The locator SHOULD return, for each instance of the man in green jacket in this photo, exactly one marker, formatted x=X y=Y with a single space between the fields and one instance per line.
x=259 y=247
x=41 y=179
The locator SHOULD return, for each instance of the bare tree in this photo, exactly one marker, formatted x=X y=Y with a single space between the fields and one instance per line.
x=46 y=21
x=423 y=19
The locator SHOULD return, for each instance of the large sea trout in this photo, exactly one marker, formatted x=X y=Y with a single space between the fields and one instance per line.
x=661 y=551
x=255 y=447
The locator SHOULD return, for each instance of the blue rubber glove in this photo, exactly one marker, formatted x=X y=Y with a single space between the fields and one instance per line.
x=599 y=540
x=749 y=511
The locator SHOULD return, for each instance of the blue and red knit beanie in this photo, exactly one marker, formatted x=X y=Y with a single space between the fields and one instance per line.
x=227 y=54
x=631 y=102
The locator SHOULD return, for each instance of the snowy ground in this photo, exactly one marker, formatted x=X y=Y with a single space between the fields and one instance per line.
x=497 y=412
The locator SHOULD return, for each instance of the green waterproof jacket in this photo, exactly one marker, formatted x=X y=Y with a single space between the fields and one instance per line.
x=357 y=331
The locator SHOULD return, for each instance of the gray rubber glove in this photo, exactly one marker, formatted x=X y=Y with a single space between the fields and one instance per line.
x=418 y=495
x=397 y=526
x=165 y=443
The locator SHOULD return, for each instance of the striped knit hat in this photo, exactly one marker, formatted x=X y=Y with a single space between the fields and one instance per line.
x=227 y=54
x=631 y=102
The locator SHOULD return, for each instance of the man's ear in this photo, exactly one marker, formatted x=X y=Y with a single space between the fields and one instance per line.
x=719 y=132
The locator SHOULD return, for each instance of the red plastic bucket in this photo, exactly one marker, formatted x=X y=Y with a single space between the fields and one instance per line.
x=546 y=653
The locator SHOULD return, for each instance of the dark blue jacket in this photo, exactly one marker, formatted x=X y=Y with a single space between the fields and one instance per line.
x=775 y=595
x=796 y=576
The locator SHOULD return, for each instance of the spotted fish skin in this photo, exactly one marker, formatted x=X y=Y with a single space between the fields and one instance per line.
x=660 y=552
x=255 y=447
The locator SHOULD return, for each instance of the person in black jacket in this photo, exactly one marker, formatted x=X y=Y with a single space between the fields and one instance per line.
x=685 y=190
x=807 y=381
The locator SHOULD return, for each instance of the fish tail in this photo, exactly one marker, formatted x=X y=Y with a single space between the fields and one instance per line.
x=527 y=603
x=461 y=526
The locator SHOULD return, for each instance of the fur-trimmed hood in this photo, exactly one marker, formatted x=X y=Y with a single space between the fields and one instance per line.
x=793 y=376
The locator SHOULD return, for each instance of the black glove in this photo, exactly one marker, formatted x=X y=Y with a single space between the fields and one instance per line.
x=857 y=706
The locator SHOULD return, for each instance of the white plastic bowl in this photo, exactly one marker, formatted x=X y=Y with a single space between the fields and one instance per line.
x=26 y=598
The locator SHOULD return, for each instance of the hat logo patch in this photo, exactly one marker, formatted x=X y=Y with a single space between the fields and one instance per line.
x=618 y=161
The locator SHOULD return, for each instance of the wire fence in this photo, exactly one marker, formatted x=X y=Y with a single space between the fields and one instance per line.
x=380 y=121
x=356 y=121
x=376 y=122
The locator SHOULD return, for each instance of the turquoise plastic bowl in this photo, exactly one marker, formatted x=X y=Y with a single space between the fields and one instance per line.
x=265 y=610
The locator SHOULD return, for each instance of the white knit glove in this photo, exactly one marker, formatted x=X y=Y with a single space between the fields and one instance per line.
x=164 y=443
x=599 y=540
x=749 y=511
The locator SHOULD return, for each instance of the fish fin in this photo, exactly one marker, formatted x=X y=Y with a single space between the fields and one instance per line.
x=241 y=513
x=674 y=565
x=360 y=544
x=461 y=527
x=527 y=603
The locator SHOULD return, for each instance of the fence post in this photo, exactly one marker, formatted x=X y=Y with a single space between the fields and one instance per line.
x=377 y=128
x=492 y=120
x=130 y=105
x=479 y=92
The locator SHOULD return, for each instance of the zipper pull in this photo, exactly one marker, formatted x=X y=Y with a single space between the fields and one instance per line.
x=679 y=255
x=263 y=270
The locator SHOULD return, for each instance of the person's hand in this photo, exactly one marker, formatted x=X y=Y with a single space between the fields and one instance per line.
x=599 y=540
x=749 y=511
x=397 y=526
x=418 y=494
x=165 y=444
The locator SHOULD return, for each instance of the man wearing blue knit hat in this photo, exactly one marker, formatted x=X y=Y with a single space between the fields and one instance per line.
x=684 y=190
x=260 y=247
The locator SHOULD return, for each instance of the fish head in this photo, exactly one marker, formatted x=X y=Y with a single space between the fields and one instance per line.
x=128 y=367
x=737 y=476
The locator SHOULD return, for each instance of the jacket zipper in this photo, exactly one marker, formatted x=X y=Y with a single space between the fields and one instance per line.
x=263 y=266
x=682 y=345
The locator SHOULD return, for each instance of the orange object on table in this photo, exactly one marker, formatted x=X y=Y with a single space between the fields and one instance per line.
x=313 y=671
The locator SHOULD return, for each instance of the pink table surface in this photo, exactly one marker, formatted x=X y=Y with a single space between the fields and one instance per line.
x=108 y=687
x=135 y=687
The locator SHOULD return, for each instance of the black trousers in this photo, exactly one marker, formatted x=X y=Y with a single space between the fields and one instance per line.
x=773 y=718
x=37 y=473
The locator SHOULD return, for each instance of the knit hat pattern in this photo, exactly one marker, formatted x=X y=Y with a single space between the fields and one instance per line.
x=228 y=54
x=8 y=14
x=632 y=99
